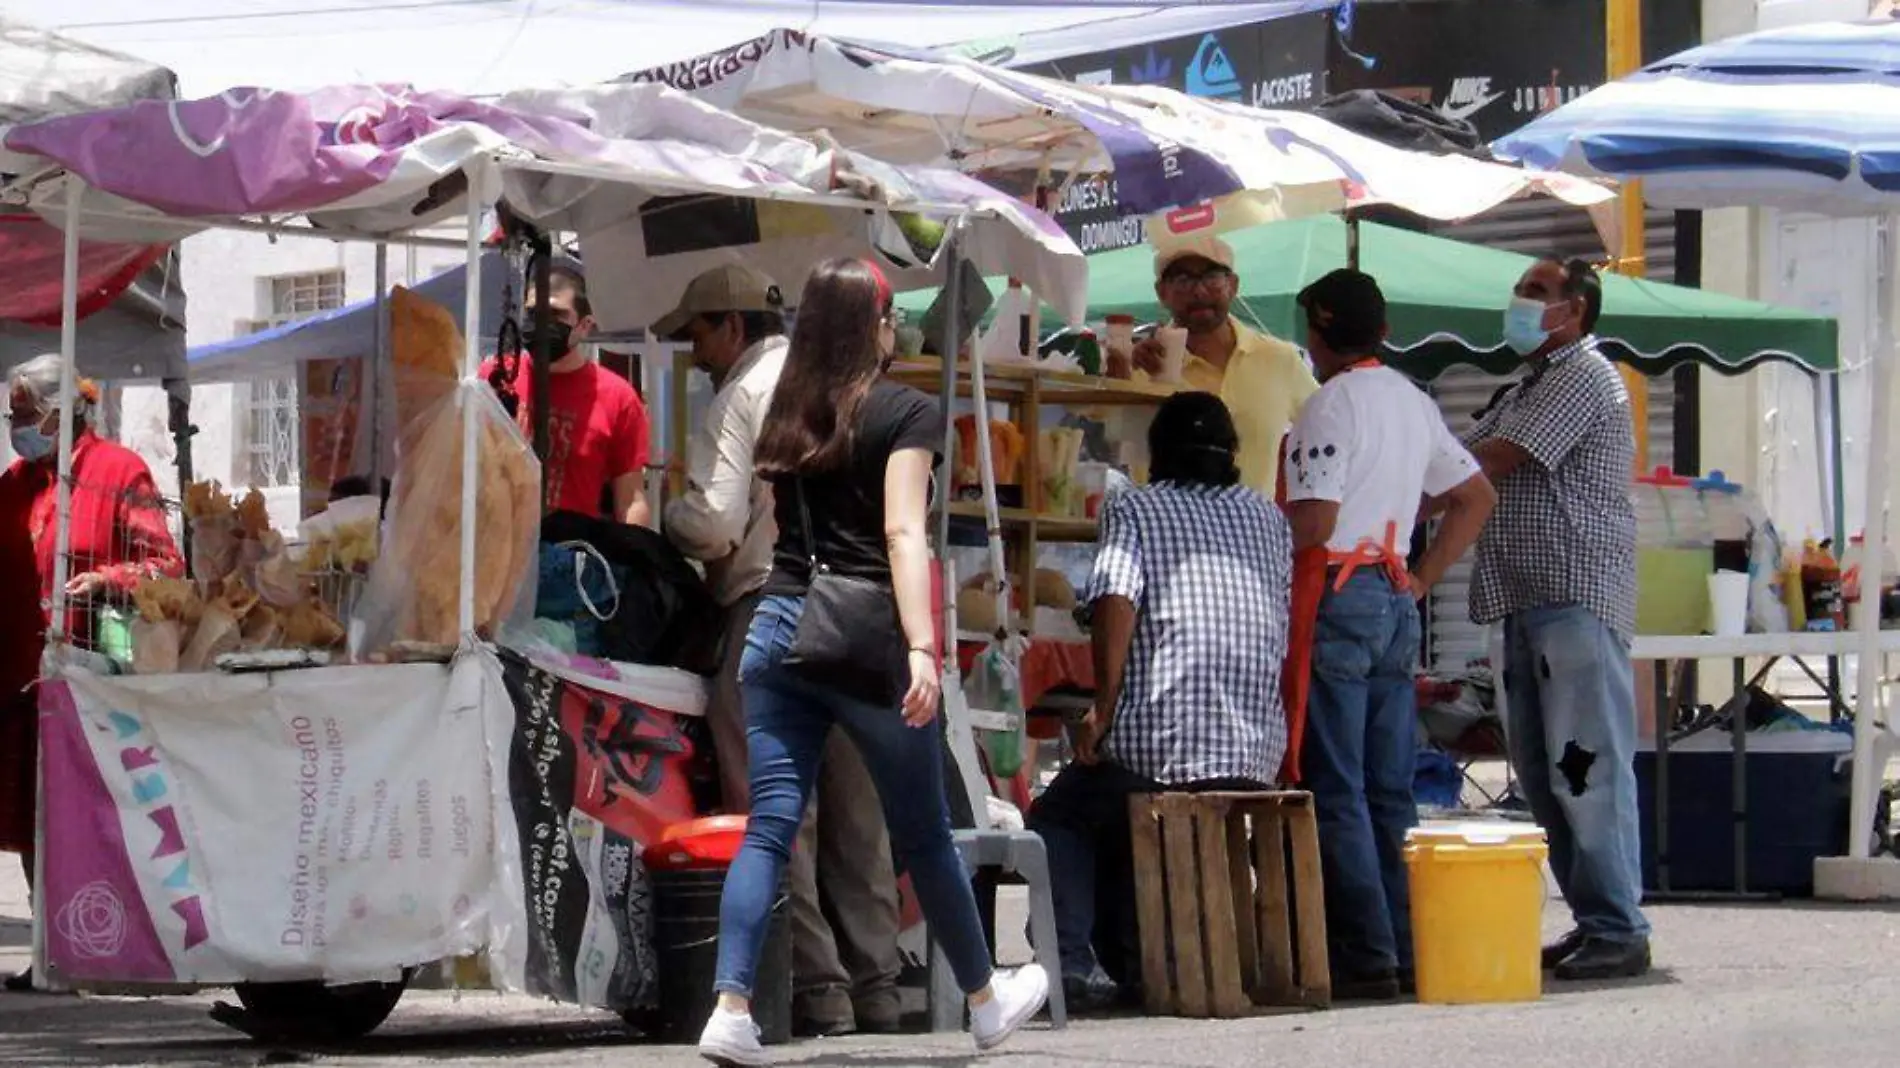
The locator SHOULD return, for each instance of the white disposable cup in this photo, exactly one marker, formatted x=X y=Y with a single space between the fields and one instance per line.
x=1728 y=604
x=1174 y=352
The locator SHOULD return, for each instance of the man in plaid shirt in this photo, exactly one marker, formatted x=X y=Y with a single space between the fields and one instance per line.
x=1557 y=566
x=1188 y=614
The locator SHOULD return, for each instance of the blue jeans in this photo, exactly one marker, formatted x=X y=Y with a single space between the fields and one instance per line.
x=1083 y=820
x=1572 y=737
x=787 y=721
x=1357 y=758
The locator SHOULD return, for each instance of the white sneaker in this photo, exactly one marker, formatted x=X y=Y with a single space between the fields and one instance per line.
x=731 y=1040
x=1018 y=995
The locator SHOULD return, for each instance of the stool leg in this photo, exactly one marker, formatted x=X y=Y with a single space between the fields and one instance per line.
x=1032 y=863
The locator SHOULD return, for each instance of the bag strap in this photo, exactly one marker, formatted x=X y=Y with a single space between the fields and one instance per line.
x=804 y=525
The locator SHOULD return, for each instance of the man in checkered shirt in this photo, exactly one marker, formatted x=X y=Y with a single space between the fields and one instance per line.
x=1557 y=566
x=1188 y=614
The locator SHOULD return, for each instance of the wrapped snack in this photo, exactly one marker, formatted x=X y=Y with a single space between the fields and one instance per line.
x=276 y=575
x=261 y=630
x=415 y=585
x=219 y=632
x=253 y=515
x=310 y=626
x=155 y=646
x=214 y=529
x=162 y=600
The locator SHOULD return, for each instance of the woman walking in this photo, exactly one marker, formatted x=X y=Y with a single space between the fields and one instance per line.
x=844 y=636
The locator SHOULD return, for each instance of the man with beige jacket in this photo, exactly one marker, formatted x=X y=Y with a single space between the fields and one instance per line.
x=734 y=318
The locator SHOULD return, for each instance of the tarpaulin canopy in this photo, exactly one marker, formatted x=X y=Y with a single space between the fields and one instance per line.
x=366 y=161
x=347 y=333
x=481 y=47
x=1445 y=300
x=44 y=74
x=1164 y=149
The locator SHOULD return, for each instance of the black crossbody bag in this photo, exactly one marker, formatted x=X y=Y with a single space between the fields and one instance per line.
x=848 y=637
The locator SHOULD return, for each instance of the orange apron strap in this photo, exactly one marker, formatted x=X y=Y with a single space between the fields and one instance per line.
x=1369 y=553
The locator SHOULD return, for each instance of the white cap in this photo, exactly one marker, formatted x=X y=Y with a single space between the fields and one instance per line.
x=1204 y=246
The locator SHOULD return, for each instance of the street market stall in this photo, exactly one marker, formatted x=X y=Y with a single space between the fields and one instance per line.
x=425 y=796
x=1800 y=118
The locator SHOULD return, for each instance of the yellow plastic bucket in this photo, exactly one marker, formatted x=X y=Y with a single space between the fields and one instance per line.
x=1477 y=911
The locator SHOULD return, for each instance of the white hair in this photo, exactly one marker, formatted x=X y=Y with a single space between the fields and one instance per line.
x=38 y=380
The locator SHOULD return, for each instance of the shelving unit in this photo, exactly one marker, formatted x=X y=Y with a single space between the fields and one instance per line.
x=1025 y=391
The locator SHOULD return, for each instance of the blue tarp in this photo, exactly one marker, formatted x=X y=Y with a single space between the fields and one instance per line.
x=347 y=333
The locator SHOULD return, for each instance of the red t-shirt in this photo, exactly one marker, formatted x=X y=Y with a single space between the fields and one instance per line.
x=597 y=432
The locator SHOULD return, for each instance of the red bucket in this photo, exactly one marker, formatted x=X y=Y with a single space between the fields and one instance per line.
x=697 y=845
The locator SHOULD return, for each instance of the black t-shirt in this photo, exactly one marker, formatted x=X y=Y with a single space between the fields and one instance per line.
x=847 y=504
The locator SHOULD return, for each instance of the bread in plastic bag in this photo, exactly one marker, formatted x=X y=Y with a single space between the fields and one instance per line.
x=215 y=546
x=155 y=646
x=277 y=578
x=414 y=591
x=218 y=632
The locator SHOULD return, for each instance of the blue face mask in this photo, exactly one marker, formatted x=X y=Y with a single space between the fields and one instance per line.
x=1524 y=325
x=32 y=444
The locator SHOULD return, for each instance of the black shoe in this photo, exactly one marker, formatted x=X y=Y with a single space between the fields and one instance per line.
x=1373 y=986
x=1091 y=992
x=819 y=1027
x=1559 y=951
x=19 y=984
x=1600 y=958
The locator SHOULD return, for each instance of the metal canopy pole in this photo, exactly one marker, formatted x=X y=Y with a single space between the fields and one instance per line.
x=370 y=418
x=956 y=712
x=478 y=203
x=1869 y=718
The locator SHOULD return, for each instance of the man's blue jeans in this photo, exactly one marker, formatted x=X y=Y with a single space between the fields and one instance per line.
x=1572 y=736
x=1357 y=758
x=787 y=722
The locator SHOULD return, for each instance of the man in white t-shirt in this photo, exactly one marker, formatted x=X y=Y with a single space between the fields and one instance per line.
x=1365 y=451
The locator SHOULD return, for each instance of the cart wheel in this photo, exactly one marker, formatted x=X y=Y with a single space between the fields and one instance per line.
x=314 y=1012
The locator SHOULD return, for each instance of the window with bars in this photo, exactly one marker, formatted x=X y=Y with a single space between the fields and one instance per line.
x=272 y=435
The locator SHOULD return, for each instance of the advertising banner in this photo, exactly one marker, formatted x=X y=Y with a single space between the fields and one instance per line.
x=328 y=823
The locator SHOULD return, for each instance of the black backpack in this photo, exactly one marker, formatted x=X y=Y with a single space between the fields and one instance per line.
x=664 y=616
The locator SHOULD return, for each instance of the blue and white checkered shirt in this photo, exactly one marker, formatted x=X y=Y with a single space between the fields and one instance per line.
x=1209 y=570
x=1564 y=531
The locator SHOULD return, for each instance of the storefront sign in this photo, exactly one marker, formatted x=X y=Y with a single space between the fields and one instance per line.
x=1514 y=60
x=1279 y=64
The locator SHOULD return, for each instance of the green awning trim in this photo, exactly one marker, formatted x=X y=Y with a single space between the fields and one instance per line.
x=1445 y=302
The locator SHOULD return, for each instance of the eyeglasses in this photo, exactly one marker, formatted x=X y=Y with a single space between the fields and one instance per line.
x=1185 y=280
x=17 y=418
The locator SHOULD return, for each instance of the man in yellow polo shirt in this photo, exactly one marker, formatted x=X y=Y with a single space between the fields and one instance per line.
x=1263 y=380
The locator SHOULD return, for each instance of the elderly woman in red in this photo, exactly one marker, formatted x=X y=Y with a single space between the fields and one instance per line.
x=119 y=533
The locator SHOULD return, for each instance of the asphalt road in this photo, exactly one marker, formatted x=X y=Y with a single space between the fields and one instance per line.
x=1772 y=986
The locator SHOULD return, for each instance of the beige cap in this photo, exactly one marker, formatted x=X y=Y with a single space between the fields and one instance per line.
x=731 y=288
x=1205 y=246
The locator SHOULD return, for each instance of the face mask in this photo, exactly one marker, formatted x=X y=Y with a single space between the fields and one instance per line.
x=32 y=444
x=1524 y=325
x=560 y=339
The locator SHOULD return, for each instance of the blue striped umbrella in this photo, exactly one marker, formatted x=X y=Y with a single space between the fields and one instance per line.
x=1806 y=117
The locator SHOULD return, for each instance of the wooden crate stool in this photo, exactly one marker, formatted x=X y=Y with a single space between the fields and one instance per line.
x=1229 y=901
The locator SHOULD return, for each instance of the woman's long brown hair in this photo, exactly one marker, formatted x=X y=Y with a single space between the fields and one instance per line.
x=830 y=368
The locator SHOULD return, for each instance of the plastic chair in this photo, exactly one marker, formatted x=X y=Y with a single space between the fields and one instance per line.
x=1021 y=857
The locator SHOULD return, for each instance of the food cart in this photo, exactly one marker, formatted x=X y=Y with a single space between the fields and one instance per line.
x=402 y=797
